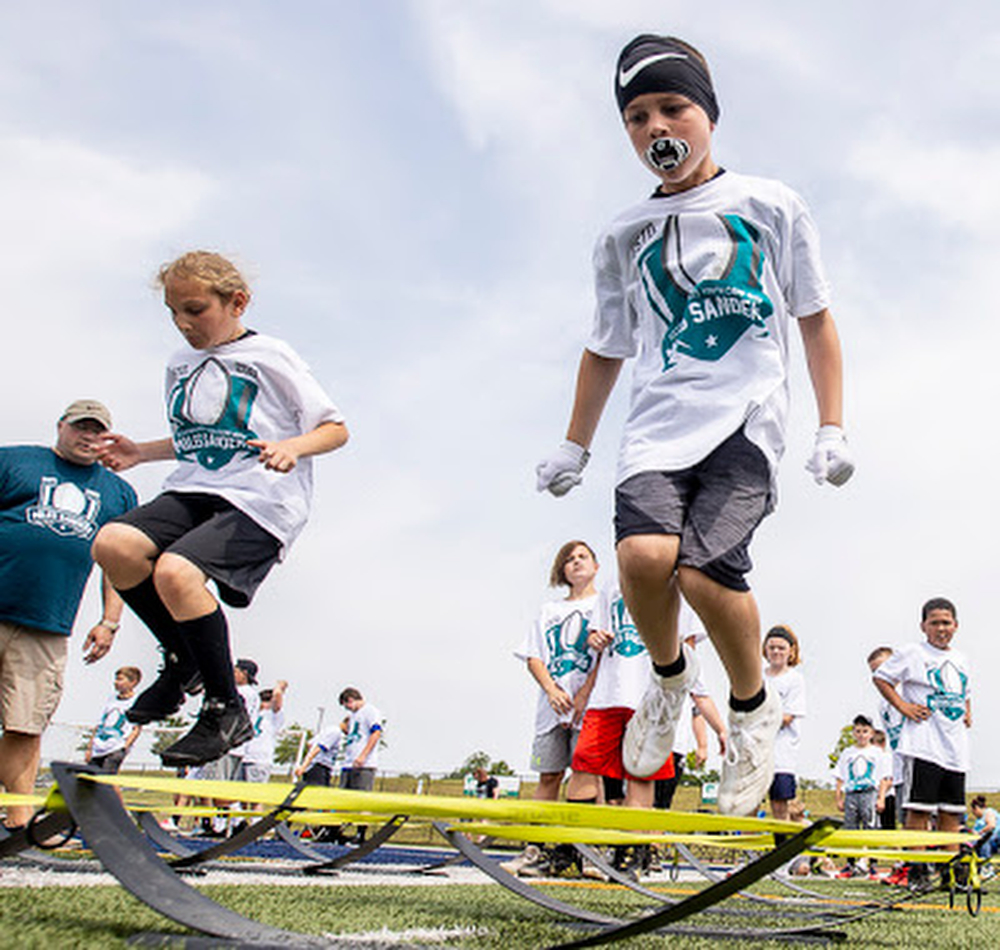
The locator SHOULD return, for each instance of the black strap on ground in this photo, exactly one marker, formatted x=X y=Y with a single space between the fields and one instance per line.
x=163 y=840
x=247 y=835
x=356 y=854
x=295 y=842
x=125 y=853
x=712 y=876
x=488 y=866
x=13 y=841
x=452 y=860
x=714 y=894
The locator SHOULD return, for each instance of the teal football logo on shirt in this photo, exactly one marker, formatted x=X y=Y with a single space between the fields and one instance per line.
x=210 y=412
x=701 y=277
x=627 y=641
x=567 y=646
x=860 y=775
x=948 y=684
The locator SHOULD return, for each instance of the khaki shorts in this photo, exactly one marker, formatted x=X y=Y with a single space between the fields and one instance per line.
x=32 y=663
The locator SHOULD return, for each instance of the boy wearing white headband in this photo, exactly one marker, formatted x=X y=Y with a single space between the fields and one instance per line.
x=701 y=283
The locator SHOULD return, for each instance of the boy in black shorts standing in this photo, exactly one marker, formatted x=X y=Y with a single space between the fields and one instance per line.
x=928 y=683
x=246 y=416
x=702 y=283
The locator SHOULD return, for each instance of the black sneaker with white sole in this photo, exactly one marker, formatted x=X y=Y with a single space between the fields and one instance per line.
x=165 y=695
x=221 y=726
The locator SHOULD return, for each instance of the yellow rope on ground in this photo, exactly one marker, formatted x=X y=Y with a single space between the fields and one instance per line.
x=556 y=834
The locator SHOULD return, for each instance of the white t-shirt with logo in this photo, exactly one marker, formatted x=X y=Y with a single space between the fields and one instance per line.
x=255 y=387
x=251 y=699
x=330 y=744
x=938 y=679
x=862 y=770
x=113 y=728
x=625 y=666
x=558 y=638
x=700 y=287
x=361 y=724
x=791 y=689
x=266 y=726
x=892 y=725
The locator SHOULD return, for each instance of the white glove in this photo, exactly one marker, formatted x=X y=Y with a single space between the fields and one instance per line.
x=831 y=459
x=561 y=470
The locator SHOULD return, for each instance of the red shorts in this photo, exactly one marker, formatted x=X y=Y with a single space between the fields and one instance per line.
x=599 y=747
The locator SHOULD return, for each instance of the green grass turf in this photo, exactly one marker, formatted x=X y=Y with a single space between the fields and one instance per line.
x=100 y=917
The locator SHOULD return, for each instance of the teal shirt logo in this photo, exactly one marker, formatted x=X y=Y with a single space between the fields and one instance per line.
x=567 y=645
x=627 y=641
x=209 y=411
x=860 y=775
x=948 y=684
x=701 y=277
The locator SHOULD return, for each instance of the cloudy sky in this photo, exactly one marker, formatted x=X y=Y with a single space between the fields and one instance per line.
x=414 y=189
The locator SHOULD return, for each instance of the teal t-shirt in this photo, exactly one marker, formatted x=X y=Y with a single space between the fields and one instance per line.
x=50 y=511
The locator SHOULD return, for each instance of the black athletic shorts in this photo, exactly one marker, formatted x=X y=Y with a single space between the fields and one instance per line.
x=228 y=545
x=930 y=788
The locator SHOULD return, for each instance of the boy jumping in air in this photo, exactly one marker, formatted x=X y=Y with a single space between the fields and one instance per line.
x=701 y=282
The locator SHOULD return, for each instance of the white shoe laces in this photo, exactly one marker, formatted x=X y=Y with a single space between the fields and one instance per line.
x=740 y=746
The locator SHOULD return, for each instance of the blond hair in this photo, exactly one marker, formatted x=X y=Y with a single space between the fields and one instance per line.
x=213 y=270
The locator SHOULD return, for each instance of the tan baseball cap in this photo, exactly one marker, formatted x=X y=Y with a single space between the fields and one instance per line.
x=87 y=409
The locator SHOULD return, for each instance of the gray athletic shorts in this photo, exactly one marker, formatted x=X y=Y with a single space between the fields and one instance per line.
x=360 y=780
x=228 y=545
x=552 y=751
x=714 y=507
x=859 y=809
x=256 y=772
x=226 y=769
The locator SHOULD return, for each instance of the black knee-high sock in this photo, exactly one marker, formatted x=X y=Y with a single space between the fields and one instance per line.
x=208 y=640
x=146 y=604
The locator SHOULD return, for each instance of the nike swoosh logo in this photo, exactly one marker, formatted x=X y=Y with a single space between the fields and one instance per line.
x=625 y=76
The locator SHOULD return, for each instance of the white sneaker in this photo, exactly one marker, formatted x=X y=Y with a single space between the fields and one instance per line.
x=590 y=870
x=531 y=855
x=649 y=738
x=748 y=766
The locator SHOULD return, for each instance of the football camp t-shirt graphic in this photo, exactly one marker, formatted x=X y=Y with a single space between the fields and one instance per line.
x=627 y=641
x=948 y=690
x=860 y=774
x=700 y=287
x=702 y=277
x=566 y=640
x=209 y=410
x=65 y=508
x=218 y=400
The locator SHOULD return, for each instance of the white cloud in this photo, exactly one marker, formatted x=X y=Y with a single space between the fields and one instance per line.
x=65 y=201
x=958 y=185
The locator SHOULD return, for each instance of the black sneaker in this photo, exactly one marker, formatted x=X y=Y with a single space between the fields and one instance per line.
x=221 y=726
x=165 y=695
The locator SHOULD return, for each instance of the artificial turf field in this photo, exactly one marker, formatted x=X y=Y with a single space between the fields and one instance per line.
x=456 y=915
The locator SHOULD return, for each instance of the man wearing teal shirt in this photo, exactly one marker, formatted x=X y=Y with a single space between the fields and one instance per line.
x=52 y=502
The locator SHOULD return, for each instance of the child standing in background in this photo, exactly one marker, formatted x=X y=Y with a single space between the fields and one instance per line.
x=114 y=735
x=781 y=650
